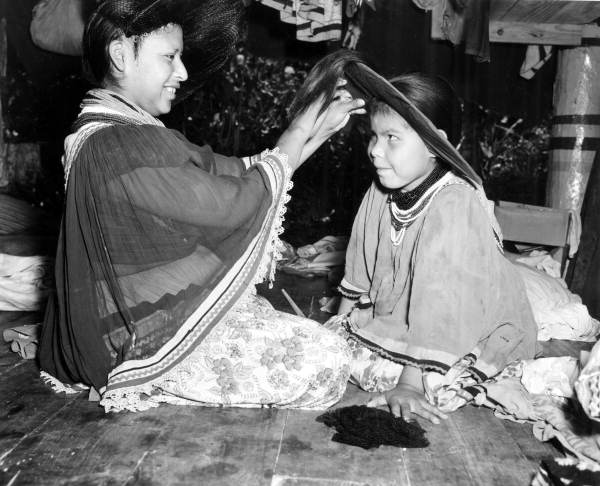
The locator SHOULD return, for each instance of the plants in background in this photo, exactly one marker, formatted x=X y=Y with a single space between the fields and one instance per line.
x=512 y=157
x=243 y=110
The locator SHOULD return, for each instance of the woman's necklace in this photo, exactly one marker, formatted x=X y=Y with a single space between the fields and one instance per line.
x=406 y=207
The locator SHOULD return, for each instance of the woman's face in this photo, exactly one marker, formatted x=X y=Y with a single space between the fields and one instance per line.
x=151 y=78
x=398 y=153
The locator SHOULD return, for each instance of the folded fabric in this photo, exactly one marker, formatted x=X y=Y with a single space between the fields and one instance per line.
x=324 y=245
x=543 y=261
x=535 y=57
x=315 y=20
x=318 y=265
x=550 y=376
x=23 y=340
x=448 y=391
x=559 y=313
x=287 y=251
x=587 y=385
x=552 y=416
x=369 y=427
x=23 y=282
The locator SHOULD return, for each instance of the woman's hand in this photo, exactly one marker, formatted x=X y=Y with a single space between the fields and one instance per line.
x=309 y=130
x=337 y=114
x=406 y=401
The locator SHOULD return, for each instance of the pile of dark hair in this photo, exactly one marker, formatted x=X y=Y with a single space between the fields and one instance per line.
x=369 y=427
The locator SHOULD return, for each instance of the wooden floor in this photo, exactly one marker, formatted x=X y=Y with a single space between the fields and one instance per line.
x=49 y=439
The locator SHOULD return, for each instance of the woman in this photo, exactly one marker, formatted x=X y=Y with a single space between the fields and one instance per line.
x=430 y=302
x=162 y=240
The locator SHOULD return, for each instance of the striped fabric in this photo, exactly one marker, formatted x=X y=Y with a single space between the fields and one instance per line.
x=315 y=20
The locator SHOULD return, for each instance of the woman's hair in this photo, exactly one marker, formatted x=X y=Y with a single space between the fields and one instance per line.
x=114 y=19
x=433 y=96
x=211 y=30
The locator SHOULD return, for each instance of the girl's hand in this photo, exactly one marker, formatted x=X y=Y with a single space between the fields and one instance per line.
x=360 y=317
x=406 y=401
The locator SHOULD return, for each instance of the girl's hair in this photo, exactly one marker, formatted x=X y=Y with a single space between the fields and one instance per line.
x=433 y=96
x=427 y=104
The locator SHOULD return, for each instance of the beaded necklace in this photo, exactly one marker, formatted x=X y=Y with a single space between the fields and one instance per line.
x=406 y=207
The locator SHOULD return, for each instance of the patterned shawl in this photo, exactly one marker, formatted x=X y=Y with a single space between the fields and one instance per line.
x=160 y=238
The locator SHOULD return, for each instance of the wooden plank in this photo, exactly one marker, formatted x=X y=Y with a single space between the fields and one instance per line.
x=560 y=347
x=165 y=445
x=534 y=33
x=511 y=23
x=534 y=450
x=590 y=32
x=3 y=60
x=308 y=456
x=26 y=404
x=545 y=11
x=471 y=447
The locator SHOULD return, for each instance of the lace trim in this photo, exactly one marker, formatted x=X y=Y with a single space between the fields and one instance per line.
x=130 y=399
x=274 y=248
x=60 y=387
x=74 y=142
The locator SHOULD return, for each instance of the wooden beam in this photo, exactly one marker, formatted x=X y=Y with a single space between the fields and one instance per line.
x=526 y=33
x=545 y=11
x=3 y=61
x=522 y=32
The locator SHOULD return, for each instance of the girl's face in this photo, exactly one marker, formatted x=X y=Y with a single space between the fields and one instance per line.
x=151 y=78
x=398 y=153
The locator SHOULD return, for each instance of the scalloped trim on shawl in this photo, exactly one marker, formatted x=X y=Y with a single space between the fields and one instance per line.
x=74 y=142
x=273 y=251
x=60 y=387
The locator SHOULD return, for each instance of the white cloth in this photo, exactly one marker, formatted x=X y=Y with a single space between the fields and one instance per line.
x=22 y=286
x=587 y=385
x=550 y=376
x=559 y=313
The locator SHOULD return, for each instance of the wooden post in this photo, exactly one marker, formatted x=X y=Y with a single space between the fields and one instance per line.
x=3 y=150
x=576 y=126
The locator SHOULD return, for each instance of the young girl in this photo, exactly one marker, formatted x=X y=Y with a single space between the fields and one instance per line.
x=428 y=295
x=161 y=240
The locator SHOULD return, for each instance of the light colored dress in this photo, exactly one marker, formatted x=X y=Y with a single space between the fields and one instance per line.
x=443 y=297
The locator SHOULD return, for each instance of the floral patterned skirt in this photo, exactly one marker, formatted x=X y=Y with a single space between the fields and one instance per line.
x=258 y=356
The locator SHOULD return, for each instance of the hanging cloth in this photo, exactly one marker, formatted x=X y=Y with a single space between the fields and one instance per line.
x=315 y=20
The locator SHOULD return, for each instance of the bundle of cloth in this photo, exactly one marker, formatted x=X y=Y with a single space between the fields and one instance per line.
x=558 y=312
x=316 y=259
